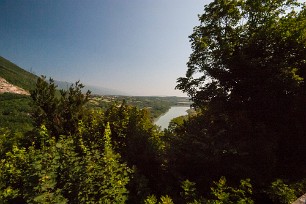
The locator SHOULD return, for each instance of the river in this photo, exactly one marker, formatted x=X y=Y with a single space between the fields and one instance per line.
x=173 y=112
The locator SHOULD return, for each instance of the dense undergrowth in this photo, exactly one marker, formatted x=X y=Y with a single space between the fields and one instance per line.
x=76 y=154
x=244 y=143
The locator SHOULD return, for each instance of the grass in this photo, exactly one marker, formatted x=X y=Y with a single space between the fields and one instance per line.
x=15 y=112
x=16 y=75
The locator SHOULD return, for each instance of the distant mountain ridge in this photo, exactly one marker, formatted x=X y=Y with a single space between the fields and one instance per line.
x=96 y=90
x=23 y=79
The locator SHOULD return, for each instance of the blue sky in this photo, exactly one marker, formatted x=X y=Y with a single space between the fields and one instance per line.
x=136 y=46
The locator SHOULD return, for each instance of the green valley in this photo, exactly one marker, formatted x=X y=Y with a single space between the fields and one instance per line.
x=15 y=109
x=243 y=142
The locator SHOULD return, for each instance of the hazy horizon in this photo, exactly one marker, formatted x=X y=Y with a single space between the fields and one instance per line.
x=137 y=47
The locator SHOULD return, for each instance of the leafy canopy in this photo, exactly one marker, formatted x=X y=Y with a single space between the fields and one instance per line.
x=246 y=50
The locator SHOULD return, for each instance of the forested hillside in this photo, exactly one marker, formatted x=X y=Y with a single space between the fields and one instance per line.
x=244 y=144
x=15 y=104
x=15 y=109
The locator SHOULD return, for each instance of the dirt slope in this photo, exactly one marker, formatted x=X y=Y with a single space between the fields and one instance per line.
x=10 y=88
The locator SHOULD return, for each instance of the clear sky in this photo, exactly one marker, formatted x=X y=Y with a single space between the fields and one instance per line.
x=136 y=46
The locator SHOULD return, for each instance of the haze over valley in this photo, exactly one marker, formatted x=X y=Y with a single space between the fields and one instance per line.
x=131 y=135
x=134 y=47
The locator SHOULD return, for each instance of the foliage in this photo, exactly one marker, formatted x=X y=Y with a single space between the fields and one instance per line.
x=104 y=176
x=151 y=199
x=220 y=193
x=8 y=139
x=74 y=168
x=246 y=77
x=189 y=191
x=55 y=173
x=177 y=122
x=223 y=194
x=13 y=166
x=163 y=200
x=40 y=182
x=247 y=65
x=15 y=112
x=156 y=105
x=281 y=192
x=140 y=144
x=128 y=122
x=240 y=42
x=61 y=114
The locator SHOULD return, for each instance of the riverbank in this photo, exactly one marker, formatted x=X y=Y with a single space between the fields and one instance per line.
x=174 y=111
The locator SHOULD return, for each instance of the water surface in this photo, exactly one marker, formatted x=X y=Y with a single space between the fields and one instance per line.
x=174 y=111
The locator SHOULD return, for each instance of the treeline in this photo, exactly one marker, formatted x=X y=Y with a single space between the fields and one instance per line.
x=80 y=155
x=156 y=105
x=244 y=144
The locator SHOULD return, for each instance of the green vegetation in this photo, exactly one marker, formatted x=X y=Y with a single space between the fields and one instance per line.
x=15 y=112
x=246 y=76
x=16 y=75
x=156 y=105
x=241 y=145
x=15 y=109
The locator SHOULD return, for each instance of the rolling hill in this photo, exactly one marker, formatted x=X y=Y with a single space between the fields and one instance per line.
x=95 y=90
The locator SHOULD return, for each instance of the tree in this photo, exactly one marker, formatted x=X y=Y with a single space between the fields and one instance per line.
x=139 y=143
x=243 y=48
x=104 y=178
x=57 y=173
x=224 y=194
x=29 y=175
x=60 y=111
x=246 y=76
x=71 y=162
